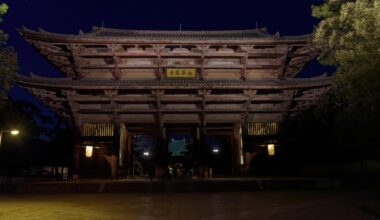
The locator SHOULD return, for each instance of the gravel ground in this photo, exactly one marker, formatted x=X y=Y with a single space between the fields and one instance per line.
x=181 y=206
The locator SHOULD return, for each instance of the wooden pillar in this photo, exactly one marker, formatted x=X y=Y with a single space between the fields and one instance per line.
x=202 y=154
x=197 y=149
x=234 y=169
x=75 y=164
x=238 y=147
x=122 y=147
x=162 y=154
x=129 y=156
x=113 y=159
x=76 y=154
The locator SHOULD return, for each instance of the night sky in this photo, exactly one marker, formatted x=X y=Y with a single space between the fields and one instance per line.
x=70 y=16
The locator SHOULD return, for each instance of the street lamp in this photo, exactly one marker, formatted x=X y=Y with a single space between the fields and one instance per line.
x=12 y=132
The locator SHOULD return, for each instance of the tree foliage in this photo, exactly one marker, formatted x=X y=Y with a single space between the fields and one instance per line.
x=3 y=9
x=349 y=33
x=348 y=37
x=8 y=61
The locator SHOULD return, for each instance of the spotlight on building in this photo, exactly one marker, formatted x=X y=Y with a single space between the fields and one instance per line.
x=146 y=154
x=89 y=150
x=271 y=149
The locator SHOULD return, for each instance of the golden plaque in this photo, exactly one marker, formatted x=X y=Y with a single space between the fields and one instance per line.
x=180 y=72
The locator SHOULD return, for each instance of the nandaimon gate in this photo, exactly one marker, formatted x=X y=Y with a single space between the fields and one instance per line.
x=124 y=87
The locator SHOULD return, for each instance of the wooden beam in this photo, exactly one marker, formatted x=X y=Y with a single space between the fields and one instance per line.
x=284 y=60
x=159 y=62
x=78 y=62
x=203 y=49
x=116 y=72
x=74 y=107
x=243 y=61
x=114 y=107
x=158 y=94
x=116 y=48
x=249 y=95
x=204 y=93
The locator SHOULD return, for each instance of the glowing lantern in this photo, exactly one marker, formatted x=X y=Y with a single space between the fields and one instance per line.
x=89 y=151
x=271 y=149
x=15 y=132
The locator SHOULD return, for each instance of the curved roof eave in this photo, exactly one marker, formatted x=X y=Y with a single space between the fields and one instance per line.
x=64 y=83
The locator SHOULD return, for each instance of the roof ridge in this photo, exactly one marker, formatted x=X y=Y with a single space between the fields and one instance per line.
x=184 y=34
x=97 y=29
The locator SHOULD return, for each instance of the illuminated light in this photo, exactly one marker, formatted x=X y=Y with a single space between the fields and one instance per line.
x=263 y=128
x=89 y=151
x=97 y=129
x=271 y=149
x=15 y=132
x=215 y=150
x=241 y=151
x=146 y=154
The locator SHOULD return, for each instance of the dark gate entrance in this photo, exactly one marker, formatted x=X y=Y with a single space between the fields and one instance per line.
x=142 y=149
x=220 y=154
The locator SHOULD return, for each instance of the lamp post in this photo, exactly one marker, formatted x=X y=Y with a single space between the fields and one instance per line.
x=12 y=132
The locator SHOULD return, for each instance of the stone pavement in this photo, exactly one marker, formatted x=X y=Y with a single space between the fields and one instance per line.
x=193 y=185
x=182 y=206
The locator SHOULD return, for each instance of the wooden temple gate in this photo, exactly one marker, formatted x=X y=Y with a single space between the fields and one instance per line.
x=119 y=84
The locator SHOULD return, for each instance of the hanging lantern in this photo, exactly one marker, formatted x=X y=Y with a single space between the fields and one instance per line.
x=271 y=149
x=89 y=151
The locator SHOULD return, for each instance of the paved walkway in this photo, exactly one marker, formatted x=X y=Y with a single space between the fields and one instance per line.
x=181 y=206
x=183 y=185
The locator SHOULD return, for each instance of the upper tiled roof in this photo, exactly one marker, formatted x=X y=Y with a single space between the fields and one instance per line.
x=111 y=34
x=201 y=35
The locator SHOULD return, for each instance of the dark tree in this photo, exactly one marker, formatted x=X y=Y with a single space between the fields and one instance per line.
x=8 y=61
